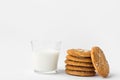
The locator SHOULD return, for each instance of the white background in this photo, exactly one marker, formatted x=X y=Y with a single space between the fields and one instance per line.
x=77 y=23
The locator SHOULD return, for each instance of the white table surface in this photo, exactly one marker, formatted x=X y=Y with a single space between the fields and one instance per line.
x=16 y=66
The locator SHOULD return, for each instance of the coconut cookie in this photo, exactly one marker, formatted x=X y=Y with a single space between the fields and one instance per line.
x=80 y=73
x=99 y=61
x=79 y=52
x=79 y=68
x=79 y=59
x=74 y=63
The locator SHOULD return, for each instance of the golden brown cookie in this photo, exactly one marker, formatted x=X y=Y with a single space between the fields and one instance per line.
x=99 y=61
x=80 y=73
x=74 y=63
x=79 y=59
x=79 y=68
x=79 y=52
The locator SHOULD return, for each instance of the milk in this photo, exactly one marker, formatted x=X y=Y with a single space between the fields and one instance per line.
x=45 y=60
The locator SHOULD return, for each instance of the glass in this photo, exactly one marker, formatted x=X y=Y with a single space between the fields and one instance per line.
x=45 y=56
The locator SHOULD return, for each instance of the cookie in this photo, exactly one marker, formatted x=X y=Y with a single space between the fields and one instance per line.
x=99 y=61
x=75 y=63
x=80 y=73
x=79 y=59
x=79 y=52
x=79 y=68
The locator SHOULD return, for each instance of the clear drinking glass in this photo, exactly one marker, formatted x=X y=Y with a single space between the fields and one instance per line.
x=45 y=55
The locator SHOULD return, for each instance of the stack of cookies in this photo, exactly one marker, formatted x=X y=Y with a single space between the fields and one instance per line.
x=81 y=62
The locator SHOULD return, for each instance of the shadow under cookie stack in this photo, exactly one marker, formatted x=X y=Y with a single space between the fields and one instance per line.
x=79 y=63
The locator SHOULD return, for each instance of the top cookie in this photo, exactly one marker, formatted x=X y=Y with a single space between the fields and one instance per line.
x=99 y=61
x=79 y=52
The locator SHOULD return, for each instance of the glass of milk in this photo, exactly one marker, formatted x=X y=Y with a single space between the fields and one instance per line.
x=45 y=56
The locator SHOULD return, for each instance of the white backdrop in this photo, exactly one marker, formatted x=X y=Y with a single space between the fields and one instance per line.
x=77 y=23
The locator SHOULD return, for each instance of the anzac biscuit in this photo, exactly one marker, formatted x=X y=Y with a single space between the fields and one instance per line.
x=99 y=61
x=80 y=73
x=79 y=68
x=79 y=59
x=79 y=52
x=74 y=63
